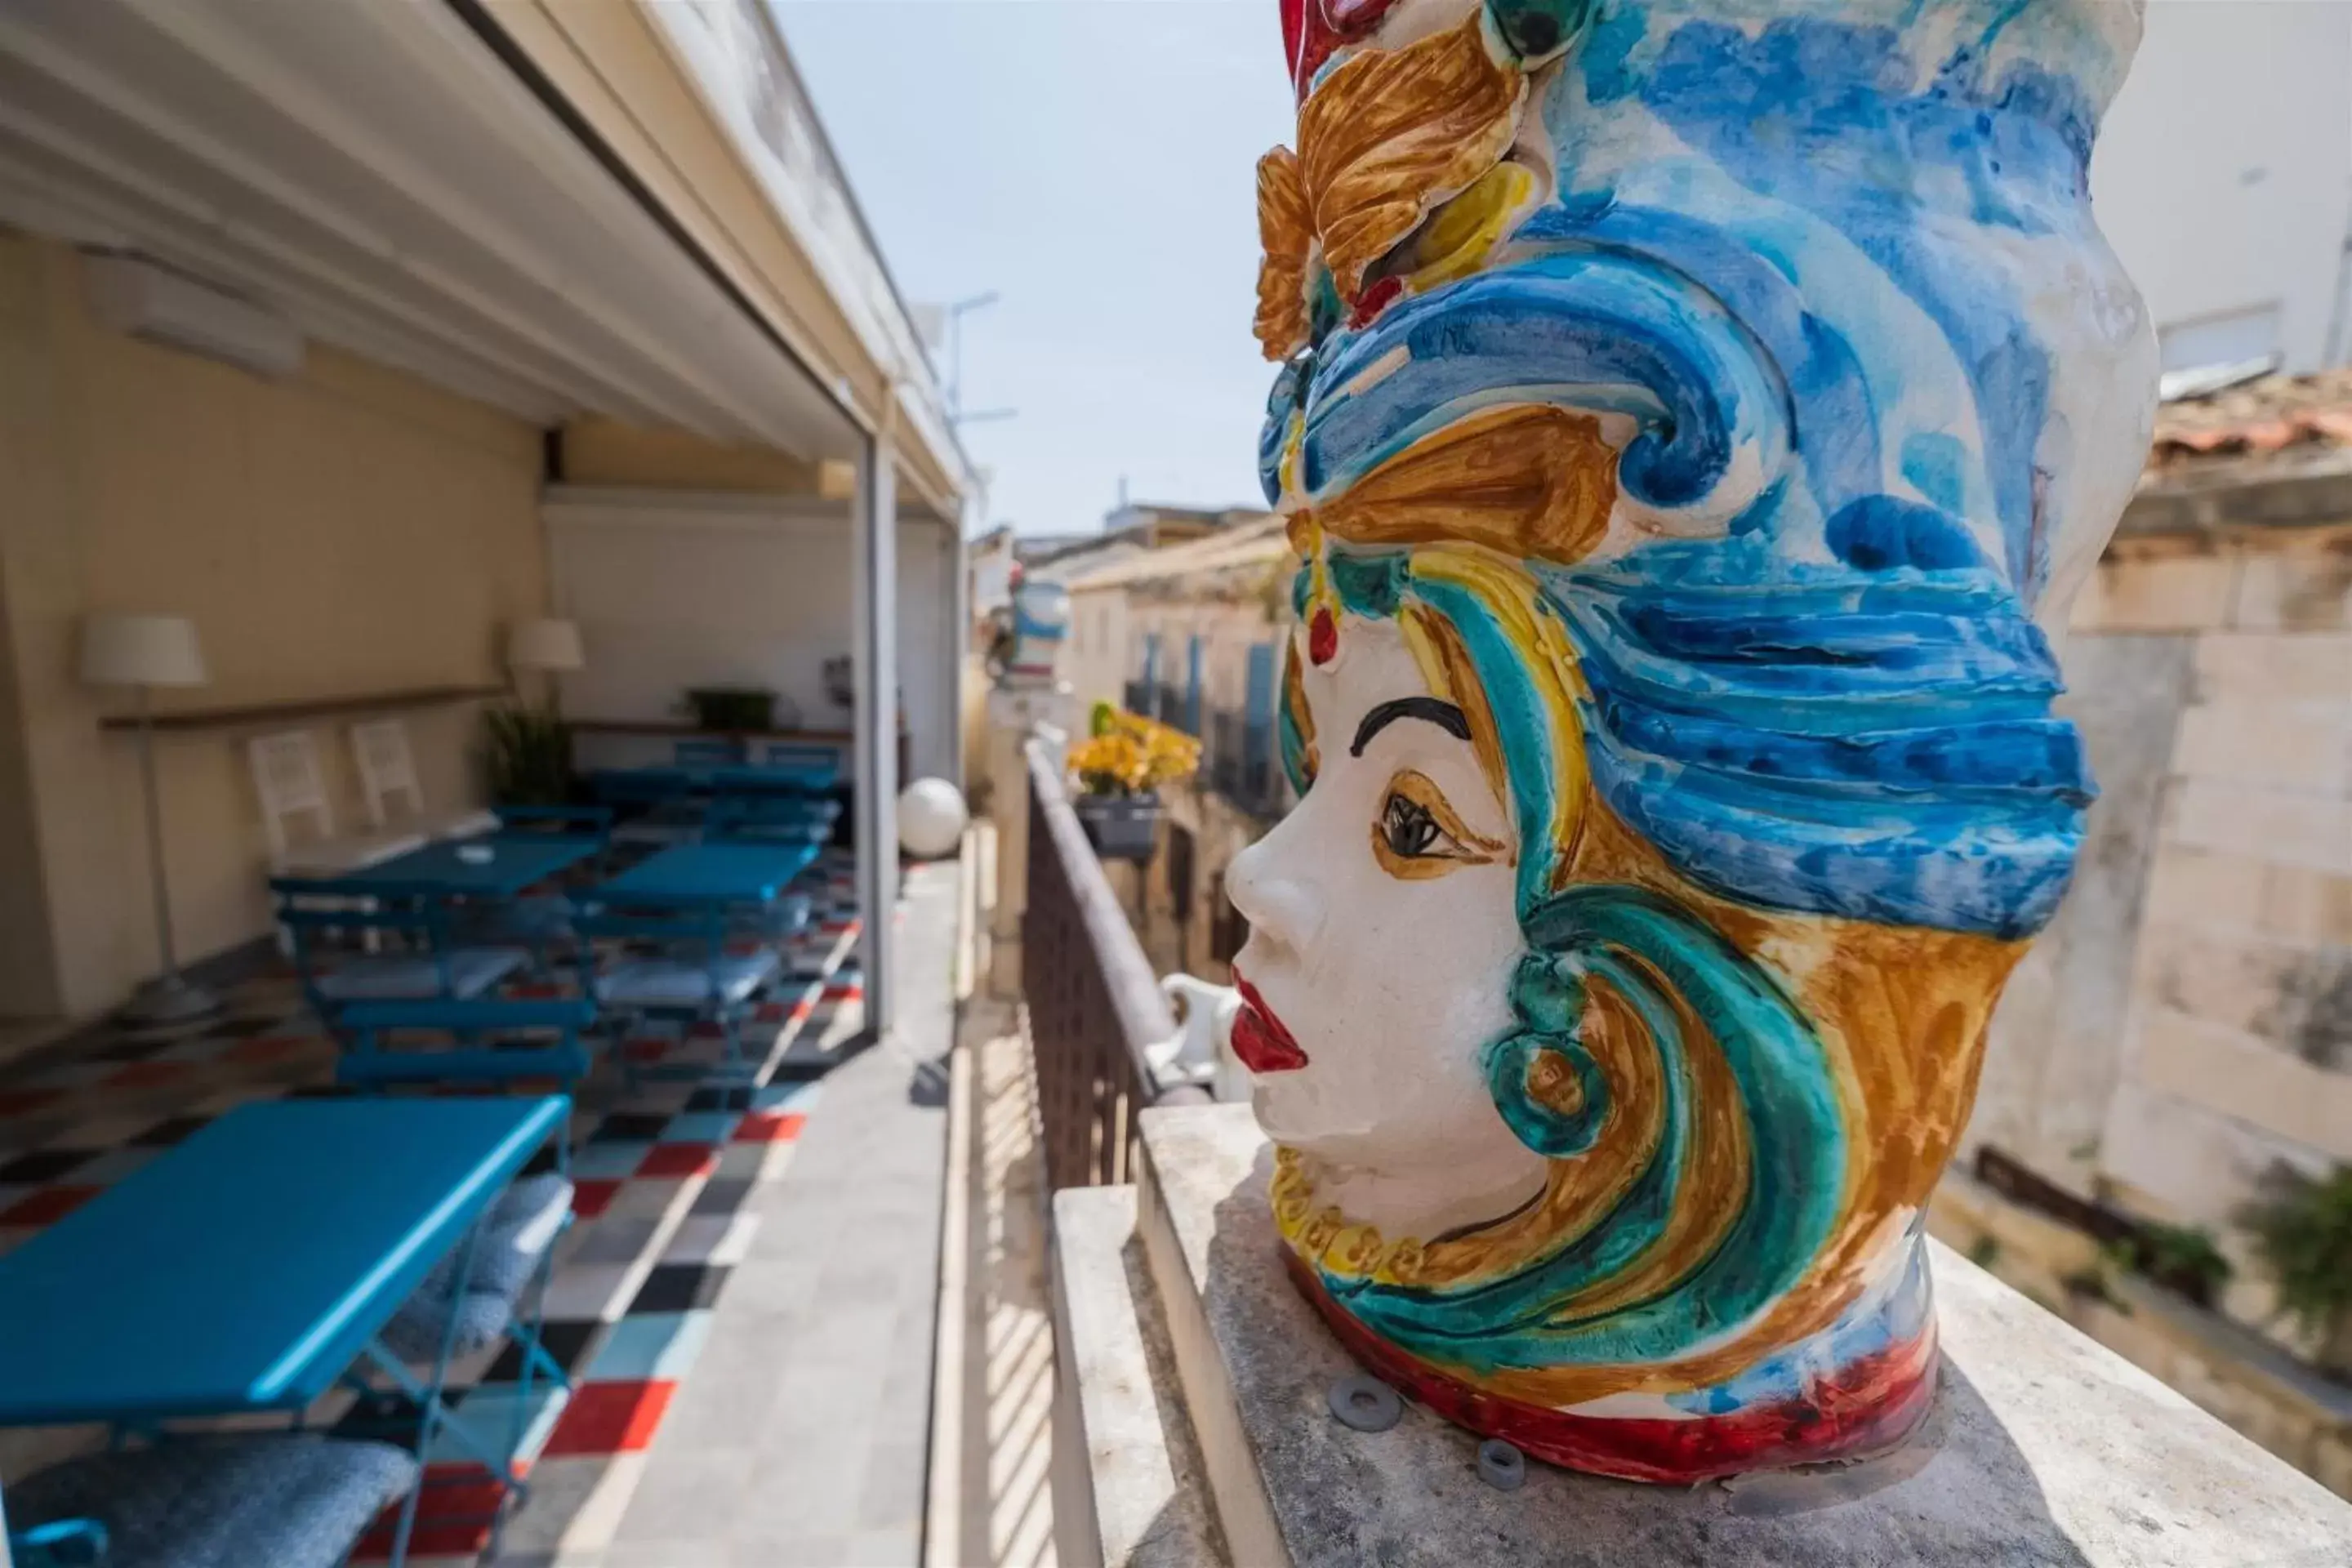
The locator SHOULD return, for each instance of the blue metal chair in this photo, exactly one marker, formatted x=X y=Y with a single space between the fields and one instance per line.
x=771 y=818
x=799 y=754
x=706 y=753
x=541 y=921
x=287 y=1499
x=689 y=976
x=472 y=1023
x=61 y=1543
x=429 y=965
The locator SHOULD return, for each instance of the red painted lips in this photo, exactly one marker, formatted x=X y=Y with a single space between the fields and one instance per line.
x=1259 y=1039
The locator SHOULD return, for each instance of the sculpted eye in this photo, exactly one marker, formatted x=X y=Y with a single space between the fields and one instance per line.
x=1418 y=833
x=1408 y=828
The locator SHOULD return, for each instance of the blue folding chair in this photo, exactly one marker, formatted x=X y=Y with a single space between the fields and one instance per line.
x=287 y=1499
x=688 y=976
x=540 y=922
x=479 y=1054
x=771 y=818
x=706 y=753
x=428 y=966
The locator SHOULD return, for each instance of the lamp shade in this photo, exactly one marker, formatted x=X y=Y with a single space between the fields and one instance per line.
x=544 y=645
x=141 y=650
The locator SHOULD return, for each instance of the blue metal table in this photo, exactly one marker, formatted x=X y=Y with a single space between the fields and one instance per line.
x=728 y=872
x=246 y=1269
x=450 y=870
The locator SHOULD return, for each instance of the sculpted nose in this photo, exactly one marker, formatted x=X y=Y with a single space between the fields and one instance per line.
x=1280 y=906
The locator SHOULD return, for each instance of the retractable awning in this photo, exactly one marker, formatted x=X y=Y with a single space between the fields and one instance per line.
x=382 y=175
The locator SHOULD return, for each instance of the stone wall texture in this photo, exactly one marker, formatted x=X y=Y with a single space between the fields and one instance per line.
x=2187 y=1021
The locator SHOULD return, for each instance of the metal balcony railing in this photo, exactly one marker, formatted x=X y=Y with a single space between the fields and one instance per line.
x=1094 y=1005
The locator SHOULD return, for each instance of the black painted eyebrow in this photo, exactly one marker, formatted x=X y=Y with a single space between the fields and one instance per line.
x=1444 y=715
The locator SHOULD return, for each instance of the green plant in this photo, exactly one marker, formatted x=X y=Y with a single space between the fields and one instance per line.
x=1101 y=718
x=528 y=756
x=2182 y=1256
x=2302 y=1230
x=1985 y=1251
x=730 y=708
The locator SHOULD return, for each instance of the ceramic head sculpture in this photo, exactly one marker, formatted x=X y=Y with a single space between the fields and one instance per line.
x=1694 y=417
x=1041 y=618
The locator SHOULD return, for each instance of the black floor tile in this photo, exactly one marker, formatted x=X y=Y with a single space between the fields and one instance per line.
x=386 y=1414
x=171 y=1130
x=570 y=1340
x=679 y=1287
x=130 y=1050
x=737 y=1098
x=46 y=1165
x=629 y=1127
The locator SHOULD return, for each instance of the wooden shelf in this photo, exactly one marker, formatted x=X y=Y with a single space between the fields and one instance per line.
x=296 y=710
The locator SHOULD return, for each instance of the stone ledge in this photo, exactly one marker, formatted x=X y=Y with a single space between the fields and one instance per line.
x=1128 y=1486
x=2043 y=1448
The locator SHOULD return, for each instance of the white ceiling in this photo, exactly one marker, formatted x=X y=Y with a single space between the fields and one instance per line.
x=372 y=170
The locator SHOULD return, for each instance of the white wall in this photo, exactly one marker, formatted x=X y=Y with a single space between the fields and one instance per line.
x=2224 y=176
x=927 y=647
x=673 y=590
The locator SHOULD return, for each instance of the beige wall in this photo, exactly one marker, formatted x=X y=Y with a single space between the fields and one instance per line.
x=351 y=531
x=2187 y=1021
x=606 y=452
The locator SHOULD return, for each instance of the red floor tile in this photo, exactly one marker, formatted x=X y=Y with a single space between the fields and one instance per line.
x=590 y=1199
x=646 y=1050
x=679 y=1159
x=146 y=1075
x=609 y=1418
x=769 y=1126
x=453 y=1516
x=46 y=1206
x=19 y=1101
x=269 y=1047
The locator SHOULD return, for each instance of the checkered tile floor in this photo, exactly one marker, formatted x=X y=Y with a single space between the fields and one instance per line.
x=664 y=1171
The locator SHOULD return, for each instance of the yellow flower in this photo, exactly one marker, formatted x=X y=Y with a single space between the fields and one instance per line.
x=1131 y=754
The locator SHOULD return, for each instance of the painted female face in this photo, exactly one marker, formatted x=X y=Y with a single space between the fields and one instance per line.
x=1382 y=939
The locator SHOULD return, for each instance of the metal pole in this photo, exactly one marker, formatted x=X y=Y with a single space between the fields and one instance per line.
x=875 y=644
x=155 y=837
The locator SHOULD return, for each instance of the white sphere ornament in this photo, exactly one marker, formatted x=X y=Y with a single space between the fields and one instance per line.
x=931 y=818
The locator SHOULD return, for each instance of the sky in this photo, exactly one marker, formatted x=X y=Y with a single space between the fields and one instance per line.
x=1094 y=162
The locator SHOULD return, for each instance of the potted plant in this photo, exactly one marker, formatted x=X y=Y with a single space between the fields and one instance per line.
x=529 y=755
x=731 y=709
x=1118 y=769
